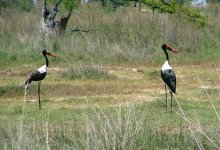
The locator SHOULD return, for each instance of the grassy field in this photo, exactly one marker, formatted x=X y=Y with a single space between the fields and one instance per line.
x=106 y=91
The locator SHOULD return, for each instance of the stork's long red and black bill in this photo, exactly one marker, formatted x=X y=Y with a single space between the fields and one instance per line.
x=52 y=55
x=171 y=49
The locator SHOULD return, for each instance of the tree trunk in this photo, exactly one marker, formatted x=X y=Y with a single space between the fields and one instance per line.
x=34 y=2
x=48 y=24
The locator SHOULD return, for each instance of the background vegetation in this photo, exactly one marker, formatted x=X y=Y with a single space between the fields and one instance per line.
x=124 y=36
x=105 y=92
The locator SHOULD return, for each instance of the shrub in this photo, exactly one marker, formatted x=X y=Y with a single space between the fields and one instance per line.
x=87 y=72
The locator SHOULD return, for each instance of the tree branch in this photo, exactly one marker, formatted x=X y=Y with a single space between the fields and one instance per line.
x=45 y=12
x=63 y=23
x=53 y=13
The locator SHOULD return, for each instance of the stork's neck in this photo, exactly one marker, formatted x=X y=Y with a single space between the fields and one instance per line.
x=166 y=53
x=47 y=61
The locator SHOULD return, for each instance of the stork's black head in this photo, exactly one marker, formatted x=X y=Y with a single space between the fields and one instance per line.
x=45 y=52
x=166 y=47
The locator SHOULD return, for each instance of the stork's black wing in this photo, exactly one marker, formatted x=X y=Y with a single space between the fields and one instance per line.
x=169 y=78
x=37 y=76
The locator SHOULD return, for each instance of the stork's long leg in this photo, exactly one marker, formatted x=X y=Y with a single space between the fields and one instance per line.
x=166 y=95
x=25 y=91
x=171 y=100
x=39 y=84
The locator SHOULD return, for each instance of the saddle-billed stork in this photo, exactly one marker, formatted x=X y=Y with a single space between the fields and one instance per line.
x=39 y=74
x=168 y=74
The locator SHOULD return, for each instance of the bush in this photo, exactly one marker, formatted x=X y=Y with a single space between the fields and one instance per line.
x=87 y=72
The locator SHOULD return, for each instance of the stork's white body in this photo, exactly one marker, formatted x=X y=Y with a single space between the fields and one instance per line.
x=42 y=69
x=166 y=66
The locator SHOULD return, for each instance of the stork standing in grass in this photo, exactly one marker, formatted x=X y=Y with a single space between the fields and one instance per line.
x=39 y=75
x=168 y=74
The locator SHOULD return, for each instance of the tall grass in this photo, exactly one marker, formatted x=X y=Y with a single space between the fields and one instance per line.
x=124 y=36
x=124 y=127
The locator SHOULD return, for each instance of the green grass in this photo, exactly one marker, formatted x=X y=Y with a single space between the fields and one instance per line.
x=86 y=72
x=135 y=126
x=11 y=90
x=118 y=102
x=126 y=113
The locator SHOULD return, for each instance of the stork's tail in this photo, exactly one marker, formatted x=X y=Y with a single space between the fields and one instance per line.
x=26 y=86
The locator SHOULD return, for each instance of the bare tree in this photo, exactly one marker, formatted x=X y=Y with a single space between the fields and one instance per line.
x=51 y=26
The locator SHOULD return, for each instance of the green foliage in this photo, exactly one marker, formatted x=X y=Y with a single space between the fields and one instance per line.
x=172 y=7
x=193 y=15
x=112 y=4
x=2 y=4
x=175 y=7
x=70 y=4
x=67 y=5
x=25 y=5
x=214 y=1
